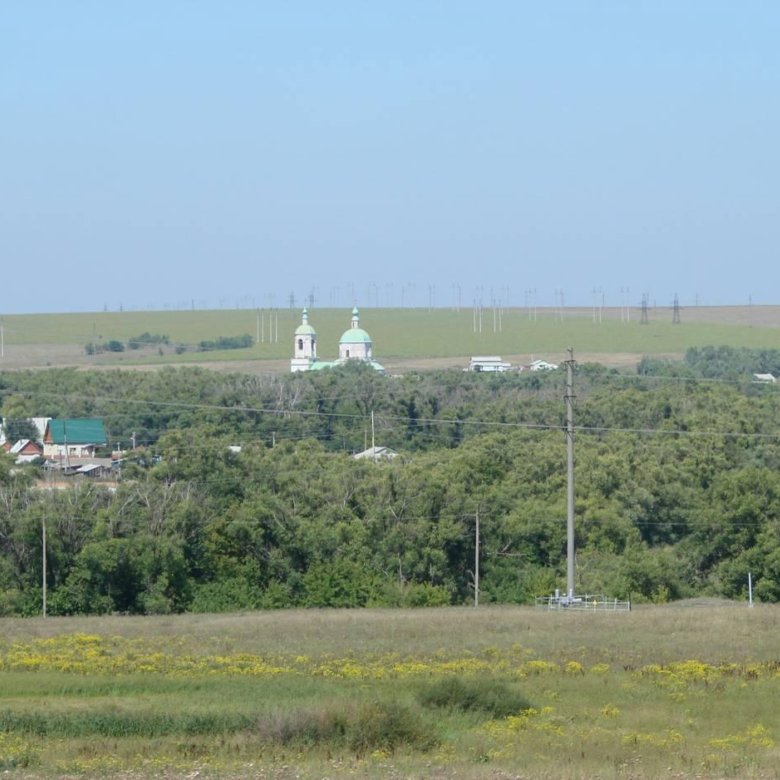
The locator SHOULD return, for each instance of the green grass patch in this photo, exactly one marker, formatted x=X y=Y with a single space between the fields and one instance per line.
x=121 y=724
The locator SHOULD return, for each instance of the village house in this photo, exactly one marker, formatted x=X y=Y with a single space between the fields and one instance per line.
x=73 y=438
x=24 y=450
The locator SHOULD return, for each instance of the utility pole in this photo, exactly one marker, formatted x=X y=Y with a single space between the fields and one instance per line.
x=373 y=438
x=625 y=306
x=65 y=439
x=569 y=398
x=476 y=558
x=43 y=579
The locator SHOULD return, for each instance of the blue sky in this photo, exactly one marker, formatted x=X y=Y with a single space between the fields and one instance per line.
x=165 y=154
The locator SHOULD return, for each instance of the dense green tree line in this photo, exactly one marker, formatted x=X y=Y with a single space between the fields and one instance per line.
x=677 y=490
x=717 y=362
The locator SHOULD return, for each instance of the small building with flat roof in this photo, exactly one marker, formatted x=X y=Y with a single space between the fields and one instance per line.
x=488 y=363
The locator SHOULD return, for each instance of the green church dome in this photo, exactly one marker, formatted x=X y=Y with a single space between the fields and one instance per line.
x=355 y=336
x=304 y=329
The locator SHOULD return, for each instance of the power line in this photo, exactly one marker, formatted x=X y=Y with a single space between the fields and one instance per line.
x=401 y=419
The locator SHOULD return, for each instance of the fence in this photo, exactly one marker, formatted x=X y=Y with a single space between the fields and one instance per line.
x=590 y=603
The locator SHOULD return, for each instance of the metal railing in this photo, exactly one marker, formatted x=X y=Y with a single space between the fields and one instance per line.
x=588 y=603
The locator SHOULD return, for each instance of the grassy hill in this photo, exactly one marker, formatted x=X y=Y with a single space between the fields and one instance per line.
x=401 y=336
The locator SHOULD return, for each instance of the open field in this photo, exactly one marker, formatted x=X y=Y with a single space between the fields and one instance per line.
x=403 y=338
x=687 y=690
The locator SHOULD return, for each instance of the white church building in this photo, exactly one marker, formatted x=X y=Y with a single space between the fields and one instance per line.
x=354 y=344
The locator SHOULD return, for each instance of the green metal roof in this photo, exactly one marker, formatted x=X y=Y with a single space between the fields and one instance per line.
x=355 y=336
x=304 y=329
x=85 y=430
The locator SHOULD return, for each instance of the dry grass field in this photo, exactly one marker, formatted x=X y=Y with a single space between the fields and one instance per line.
x=685 y=691
x=404 y=339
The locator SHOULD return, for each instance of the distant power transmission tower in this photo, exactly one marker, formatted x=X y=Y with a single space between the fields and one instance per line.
x=643 y=318
x=676 y=310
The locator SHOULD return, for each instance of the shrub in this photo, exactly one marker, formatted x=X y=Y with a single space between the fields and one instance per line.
x=383 y=726
x=388 y=726
x=147 y=339
x=10 y=602
x=483 y=695
x=338 y=583
x=305 y=727
x=227 y=342
x=228 y=595
x=411 y=594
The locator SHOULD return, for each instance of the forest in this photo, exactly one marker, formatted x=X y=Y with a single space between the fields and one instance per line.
x=243 y=492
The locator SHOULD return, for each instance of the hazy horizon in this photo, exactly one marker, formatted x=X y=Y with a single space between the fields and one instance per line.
x=206 y=155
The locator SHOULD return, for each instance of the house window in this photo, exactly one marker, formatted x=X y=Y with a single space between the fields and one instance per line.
x=347 y=353
x=300 y=344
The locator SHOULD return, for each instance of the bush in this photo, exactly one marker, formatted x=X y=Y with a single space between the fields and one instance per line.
x=388 y=726
x=305 y=727
x=10 y=602
x=495 y=698
x=229 y=595
x=147 y=339
x=338 y=583
x=412 y=594
x=227 y=342
x=377 y=726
